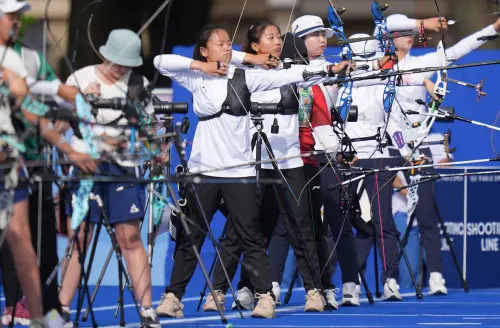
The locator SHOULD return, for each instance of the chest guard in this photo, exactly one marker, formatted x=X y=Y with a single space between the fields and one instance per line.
x=238 y=97
x=288 y=105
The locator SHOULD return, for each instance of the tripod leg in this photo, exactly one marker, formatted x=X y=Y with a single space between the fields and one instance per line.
x=421 y=266
x=290 y=219
x=151 y=228
x=69 y=252
x=450 y=247
x=99 y=281
x=378 y=293
x=205 y=286
x=91 y=261
x=401 y=246
x=188 y=234
x=118 y=253
x=212 y=238
x=98 y=284
x=121 y=287
x=418 y=290
x=367 y=289
x=118 y=302
x=290 y=287
x=212 y=267
x=82 y=253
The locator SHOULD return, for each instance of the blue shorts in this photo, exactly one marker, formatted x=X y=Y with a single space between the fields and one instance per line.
x=122 y=202
x=19 y=194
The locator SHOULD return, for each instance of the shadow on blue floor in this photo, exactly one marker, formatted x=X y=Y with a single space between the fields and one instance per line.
x=478 y=308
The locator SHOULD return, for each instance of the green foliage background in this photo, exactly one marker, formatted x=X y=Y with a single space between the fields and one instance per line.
x=26 y=23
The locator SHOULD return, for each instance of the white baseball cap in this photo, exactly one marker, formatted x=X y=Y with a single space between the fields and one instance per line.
x=12 y=6
x=308 y=24
x=364 y=50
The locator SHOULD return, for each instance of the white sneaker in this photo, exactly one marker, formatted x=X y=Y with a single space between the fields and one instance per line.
x=54 y=319
x=350 y=295
x=66 y=315
x=149 y=318
x=315 y=302
x=276 y=292
x=436 y=284
x=266 y=308
x=331 y=298
x=245 y=296
x=391 y=290
x=39 y=323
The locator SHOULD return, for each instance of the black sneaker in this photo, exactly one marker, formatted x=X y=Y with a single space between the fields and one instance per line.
x=149 y=318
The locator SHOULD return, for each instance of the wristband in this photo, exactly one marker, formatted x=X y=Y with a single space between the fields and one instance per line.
x=34 y=106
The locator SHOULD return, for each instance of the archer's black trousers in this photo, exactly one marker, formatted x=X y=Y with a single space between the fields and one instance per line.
x=242 y=205
x=49 y=257
x=379 y=189
x=340 y=224
x=427 y=217
x=280 y=243
x=277 y=202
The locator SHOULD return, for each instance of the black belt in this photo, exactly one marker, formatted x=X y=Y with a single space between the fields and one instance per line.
x=209 y=117
x=218 y=114
x=288 y=111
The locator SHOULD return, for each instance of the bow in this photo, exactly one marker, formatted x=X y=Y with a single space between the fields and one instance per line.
x=337 y=26
x=339 y=114
x=386 y=44
x=417 y=132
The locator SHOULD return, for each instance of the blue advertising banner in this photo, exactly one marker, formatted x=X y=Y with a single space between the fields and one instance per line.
x=450 y=201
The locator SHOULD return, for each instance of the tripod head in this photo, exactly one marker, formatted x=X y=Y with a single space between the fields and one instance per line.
x=259 y=109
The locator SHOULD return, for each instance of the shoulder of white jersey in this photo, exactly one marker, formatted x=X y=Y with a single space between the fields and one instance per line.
x=87 y=71
x=327 y=95
x=11 y=60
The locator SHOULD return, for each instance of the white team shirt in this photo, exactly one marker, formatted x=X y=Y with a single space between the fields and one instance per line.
x=223 y=141
x=406 y=96
x=285 y=143
x=82 y=79
x=12 y=61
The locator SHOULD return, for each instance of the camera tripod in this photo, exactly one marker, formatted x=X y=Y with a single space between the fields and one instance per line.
x=283 y=204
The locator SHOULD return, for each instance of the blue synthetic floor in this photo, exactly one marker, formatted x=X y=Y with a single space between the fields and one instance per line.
x=477 y=308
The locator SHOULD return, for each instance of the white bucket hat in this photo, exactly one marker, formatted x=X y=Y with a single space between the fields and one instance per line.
x=308 y=24
x=12 y=6
x=364 y=50
x=123 y=47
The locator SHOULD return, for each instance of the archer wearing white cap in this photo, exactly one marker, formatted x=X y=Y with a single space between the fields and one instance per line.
x=13 y=6
x=371 y=123
x=41 y=79
x=425 y=211
x=314 y=33
x=114 y=78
